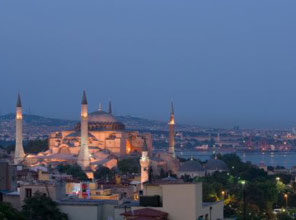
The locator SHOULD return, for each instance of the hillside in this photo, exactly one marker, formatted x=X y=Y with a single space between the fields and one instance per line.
x=36 y=127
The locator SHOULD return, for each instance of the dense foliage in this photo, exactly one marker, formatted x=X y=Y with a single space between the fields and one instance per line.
x=74 y=170
x=41 y=207
x=129 y=165
x=104 y=173
x=8 y=212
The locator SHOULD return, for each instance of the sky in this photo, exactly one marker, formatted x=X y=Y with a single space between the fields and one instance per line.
x=223 y=63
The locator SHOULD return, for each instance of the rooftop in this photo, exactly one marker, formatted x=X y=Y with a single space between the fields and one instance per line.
x=147 y=213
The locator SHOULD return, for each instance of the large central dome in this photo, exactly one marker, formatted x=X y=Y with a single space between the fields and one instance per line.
x=101 y=117
x=103 y=121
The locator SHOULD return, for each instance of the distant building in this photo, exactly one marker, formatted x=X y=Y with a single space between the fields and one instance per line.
x=214 y=165
x=193 y=168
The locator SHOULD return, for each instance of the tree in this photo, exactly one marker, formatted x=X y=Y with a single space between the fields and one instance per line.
x=261 y=189
x=74 y=170
x=262 y=194
x=8 y=212
x=129 y=165
x=284 y=216
x=41 y=207
x=285 y=178
x=103 y=173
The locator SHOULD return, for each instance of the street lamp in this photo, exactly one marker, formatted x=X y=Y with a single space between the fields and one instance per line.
x=286 y=199
x=243 y=182
x=223 y=194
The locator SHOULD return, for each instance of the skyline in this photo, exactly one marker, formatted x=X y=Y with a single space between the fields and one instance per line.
x=27 y=111
x=221 y=66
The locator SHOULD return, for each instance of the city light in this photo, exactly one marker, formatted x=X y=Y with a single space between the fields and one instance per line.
x=286 y=199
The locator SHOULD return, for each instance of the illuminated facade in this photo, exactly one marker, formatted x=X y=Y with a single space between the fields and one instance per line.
x=97 y=140
x=98 y=133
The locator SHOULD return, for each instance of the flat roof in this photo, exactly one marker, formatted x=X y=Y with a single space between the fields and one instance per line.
x=14 y=193
x=88 y=202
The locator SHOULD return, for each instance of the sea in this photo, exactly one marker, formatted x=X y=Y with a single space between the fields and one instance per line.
x=285 y=159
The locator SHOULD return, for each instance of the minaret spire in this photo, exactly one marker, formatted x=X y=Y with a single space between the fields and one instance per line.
x=84 y=99
x=172 y=131
x=110 y=107
x=19 y=153
x=19 y=101
x=83 y=155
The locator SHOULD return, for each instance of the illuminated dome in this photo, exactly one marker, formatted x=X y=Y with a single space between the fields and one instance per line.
x=103 y=121
x=101 y=117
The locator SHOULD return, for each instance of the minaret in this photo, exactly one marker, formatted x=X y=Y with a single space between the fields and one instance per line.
x=110 y=108
x=172 y=132
x=19 y=150
x=144 y=162
x=83 y=155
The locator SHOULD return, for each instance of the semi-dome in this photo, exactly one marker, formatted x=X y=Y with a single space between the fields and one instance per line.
x=103 y=121
x=215 y=164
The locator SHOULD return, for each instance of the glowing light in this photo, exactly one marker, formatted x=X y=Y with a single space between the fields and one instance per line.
x=172 y=120
x=83 y=114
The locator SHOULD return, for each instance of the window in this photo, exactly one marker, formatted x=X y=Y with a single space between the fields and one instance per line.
x=28 y=192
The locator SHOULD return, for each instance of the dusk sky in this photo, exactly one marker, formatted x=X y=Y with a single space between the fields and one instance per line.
x=223 y=62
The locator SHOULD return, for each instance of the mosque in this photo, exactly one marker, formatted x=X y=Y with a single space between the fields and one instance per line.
x=98 y=139
x=105 y=133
